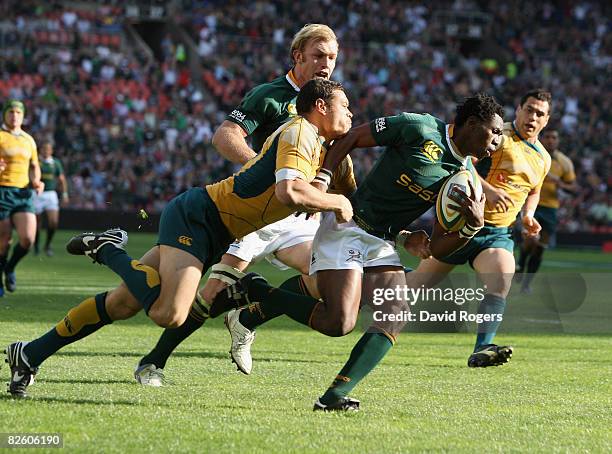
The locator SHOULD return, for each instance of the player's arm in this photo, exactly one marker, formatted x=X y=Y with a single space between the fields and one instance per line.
x=302 y=196
x=531 y=226
x=358 y=137
x=230 y=141
x=35 y=174
x=444 y=242
x=497 y=198
x=62 y=186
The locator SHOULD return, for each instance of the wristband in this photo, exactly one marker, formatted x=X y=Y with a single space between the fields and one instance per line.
x=323 y=176
x=529 y=213
x=467 y=231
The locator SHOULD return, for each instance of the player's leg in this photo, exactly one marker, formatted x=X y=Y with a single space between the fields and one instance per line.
x=89 y=316
x=547 y=217
x=372 y=346
x=6 y=229
x=430 y=272
x=149 y=369
x=495 y=267
x=298 y=257
x=37 y=237
x=52 y=223
x=25 y=226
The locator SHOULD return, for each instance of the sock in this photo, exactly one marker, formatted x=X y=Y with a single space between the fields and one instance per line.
x=522 y=259
x=366 y=354
x=36 y=239
x=2 y=267
x=533 y=265
x=19 y=252
x=50 y=234
x=142 y=280
x=491 y=305
x=81 y=321
x=171 y=338
x=295 y=303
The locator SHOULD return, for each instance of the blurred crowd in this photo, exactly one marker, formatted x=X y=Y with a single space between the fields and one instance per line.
x=133 y=131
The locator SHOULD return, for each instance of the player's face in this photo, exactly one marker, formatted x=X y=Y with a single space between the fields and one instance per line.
x=532 y=117
x=338 y=116
x=317 y=59
x=550 y=140
x=46 y=151
x=13 y=117
x=486 y=136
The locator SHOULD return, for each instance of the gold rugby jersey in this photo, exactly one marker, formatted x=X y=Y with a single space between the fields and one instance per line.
x=561 y=166
x=518 y=167
x=246 y=200
x=17 y=150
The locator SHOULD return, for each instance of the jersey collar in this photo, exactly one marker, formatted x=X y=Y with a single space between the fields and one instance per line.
x=292 y=80
x=526 y=142
x=17 y=134
x=452 y=146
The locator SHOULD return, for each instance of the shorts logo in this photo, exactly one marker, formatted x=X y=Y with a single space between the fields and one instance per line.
x=185 y=240
x=354 y=256
x=237 y=115
x=380 y=124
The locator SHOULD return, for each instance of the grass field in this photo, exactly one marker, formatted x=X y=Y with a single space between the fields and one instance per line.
x=555 y=395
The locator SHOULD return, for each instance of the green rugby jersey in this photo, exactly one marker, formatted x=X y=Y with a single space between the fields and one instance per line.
x=50 y=169
x=406 y=179
x=265 y=108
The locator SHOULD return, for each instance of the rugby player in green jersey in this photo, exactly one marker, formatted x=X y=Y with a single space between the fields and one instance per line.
x=421 y=151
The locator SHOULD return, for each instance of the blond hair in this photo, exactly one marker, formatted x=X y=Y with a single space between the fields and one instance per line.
x=311 y=32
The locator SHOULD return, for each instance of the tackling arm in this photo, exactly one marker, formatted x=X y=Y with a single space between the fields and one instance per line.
x=301 y=196
x=229 y=140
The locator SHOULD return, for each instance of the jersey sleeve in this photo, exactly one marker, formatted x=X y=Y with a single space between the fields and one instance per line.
x=295 y=155
x=59 y=168
x=397 y=129
x=569 y=175
x=343 y=179
x=34 y=158
x=251 y=112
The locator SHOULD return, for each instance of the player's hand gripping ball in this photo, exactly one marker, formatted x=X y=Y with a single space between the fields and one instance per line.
x=449 y=218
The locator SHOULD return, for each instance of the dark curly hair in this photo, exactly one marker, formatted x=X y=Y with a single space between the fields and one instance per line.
x=315 y=89
x=481 y=105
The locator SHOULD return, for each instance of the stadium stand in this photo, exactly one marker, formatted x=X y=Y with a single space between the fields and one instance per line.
x=133 y=131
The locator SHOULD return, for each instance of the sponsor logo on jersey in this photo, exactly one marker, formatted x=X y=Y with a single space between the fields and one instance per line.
x=425 y=194
x=187 y=241
x=380 y=124
x=237 y=115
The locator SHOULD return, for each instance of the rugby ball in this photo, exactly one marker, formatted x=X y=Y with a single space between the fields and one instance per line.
x=448 y=218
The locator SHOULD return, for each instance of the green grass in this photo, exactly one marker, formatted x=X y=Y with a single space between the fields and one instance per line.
x=555 y=395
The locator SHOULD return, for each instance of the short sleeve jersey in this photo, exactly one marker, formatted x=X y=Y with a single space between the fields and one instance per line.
x=265 y=108
x=561 y=167
x=246 y=201
x=406 y=179
x=50 y=170
x=17 y=151
x=518 y=167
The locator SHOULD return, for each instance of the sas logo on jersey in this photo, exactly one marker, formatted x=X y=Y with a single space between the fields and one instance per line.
x=425 y=194
x=380 y=124
x=354 y=256
x=185 y=240
x=291 y=109
x=237 y=115
x=431 y=151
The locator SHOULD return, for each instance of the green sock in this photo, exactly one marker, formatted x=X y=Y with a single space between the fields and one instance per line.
x=81 y=321
x=490 y=305
x=142 y=280
x=19 y=252
x=291 y=299
x=365 y=356
x=171 y=338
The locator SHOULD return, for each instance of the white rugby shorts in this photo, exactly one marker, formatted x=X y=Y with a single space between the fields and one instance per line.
x=282 y=234
x=46 y=201
x=348 y=246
